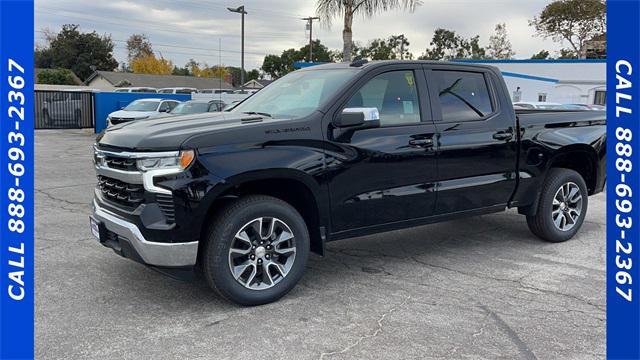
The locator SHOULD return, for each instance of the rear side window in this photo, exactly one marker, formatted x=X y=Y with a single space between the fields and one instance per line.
x=395 y=96
x=463 y=96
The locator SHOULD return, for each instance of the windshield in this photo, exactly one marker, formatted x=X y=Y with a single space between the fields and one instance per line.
x=141 y=105
x=190 y=108
x=296 y=95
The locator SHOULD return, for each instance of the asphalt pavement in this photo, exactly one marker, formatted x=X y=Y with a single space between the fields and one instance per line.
x=477 y=288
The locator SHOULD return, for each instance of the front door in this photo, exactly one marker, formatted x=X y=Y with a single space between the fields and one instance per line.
x=387 y=174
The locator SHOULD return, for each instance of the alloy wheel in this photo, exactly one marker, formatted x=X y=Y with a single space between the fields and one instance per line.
x=262 y=253
x=566 y=206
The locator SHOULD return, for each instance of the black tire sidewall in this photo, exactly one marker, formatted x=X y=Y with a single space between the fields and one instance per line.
x=558 y=178
x=217 y=267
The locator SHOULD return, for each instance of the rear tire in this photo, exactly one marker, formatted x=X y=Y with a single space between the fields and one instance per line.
x=562 y=206
x=256 y=250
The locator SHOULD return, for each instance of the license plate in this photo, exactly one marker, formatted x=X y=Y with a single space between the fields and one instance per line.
x=95 y=228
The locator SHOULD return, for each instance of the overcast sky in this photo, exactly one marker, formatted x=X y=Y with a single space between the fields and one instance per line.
x=184 y=29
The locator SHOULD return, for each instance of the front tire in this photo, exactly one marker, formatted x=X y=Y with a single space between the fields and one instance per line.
x=256 y=250
x=562 y=206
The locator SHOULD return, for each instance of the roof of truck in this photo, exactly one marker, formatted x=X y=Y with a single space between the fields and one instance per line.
x=362 y=64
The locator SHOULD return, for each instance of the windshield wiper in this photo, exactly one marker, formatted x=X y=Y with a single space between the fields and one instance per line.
x=257 y=113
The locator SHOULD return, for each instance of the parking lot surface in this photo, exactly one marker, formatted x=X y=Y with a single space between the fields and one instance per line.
x=477 y=288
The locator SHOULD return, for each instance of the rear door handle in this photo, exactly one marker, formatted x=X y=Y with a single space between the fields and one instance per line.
x=503 y=135
x=423 y=143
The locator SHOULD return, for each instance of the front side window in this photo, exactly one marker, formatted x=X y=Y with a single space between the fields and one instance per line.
x=463 y=96
x=395 y=96
x=166 y=91
x=165 y=106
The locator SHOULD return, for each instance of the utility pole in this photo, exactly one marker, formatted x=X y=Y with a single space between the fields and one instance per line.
x=401 y=46
x=240 y=10
x=310 y=23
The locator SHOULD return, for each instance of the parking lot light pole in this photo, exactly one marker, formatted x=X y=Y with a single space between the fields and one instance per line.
x=240 y=10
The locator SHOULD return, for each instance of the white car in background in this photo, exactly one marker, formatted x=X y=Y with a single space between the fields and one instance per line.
x=142 y=109
x=137 y=90
x=538 y=105
x=177 y=90
x=216 y=91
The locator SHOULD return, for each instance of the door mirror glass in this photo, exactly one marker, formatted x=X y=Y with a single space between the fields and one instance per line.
x=358 y=117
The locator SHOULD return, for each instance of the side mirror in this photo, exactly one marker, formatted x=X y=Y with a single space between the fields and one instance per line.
x=165 y=110
x=361 y=117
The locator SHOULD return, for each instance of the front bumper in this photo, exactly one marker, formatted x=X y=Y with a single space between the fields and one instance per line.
x=125 y=238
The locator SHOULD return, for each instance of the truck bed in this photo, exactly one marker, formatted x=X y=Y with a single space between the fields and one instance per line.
x=554 y=118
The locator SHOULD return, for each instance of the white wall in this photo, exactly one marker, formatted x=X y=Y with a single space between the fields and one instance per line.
x=563 y=81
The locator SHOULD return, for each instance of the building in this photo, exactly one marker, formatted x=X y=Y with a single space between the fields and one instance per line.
x=561 y=81
x=257 y=84
x=109 y=80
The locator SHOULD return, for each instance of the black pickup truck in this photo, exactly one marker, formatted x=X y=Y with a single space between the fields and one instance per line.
x=337 y=151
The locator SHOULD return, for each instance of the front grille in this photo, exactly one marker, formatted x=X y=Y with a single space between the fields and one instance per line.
x=166 y=205
x=119 y=163
x=120 y=192
x=117 y=120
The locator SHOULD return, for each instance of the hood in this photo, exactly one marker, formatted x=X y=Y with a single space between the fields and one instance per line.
x=169 y=133
x=131 y=114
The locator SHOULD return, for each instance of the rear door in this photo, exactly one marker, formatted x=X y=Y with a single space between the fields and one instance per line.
x=384 y=175
x=477 y=146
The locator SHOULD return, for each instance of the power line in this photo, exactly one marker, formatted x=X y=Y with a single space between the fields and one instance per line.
x=223 y=5
x=158 y=26
x=178 y=47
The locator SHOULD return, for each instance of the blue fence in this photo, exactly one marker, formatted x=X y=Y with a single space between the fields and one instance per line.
x=108 y=102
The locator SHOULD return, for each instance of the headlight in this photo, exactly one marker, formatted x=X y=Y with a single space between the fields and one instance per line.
x=179 y=162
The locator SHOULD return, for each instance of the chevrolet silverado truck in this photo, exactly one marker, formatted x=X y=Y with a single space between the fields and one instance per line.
x=332 y=152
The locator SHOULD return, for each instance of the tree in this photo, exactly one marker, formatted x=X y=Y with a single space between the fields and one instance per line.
x=278 y=66
x=400 y=45
x=394 y=47
x=182 y=71
x=253 y=75
x=320 y=52
x=138 y=46
x=274 y=66
x=542 y=54
x=76 y=51
x=447 y=45
x=204 y=70
x=573 y=21
x=567 y=54
x=473 y=49
x=348 y=9
x=499 y=45
x=56 y=77
x=235 y=75
x=377 y=49
x=149 y=64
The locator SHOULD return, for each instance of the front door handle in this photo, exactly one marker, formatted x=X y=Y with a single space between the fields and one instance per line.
x=503 y=135
x=423 y=143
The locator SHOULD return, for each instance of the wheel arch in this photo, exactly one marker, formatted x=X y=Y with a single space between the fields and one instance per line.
x=295 y=187
x=581 y=158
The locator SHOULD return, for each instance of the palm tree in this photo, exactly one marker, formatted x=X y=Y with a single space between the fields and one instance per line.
x=328 y=9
